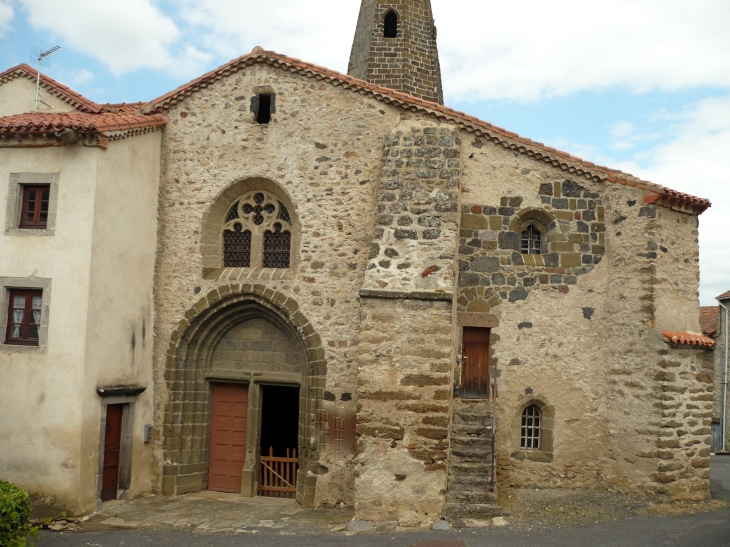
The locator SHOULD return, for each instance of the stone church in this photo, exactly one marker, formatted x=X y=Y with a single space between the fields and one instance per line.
x=281 y=280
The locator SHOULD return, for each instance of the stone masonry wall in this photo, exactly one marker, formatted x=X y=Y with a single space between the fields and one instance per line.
x=587 y=346
x=409 y=62
x=492 y=267
x=406 y=324
x=257 y=345
x=323 y=147
x=681 y=451
x=403 y=410
x=416 y=211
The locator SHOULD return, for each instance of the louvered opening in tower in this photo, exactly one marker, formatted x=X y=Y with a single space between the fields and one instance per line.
x=391 y=24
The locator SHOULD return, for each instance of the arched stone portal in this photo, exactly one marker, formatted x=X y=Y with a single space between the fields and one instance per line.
x=196 y=360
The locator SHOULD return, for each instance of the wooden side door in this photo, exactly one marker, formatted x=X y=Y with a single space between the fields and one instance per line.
x=112 y=445
x=228 y=437
x=475 y=363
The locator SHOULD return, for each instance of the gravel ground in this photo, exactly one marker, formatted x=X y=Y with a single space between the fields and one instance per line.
x=535 y=517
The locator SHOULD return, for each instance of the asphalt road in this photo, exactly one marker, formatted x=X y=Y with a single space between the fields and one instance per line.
x=700 y=530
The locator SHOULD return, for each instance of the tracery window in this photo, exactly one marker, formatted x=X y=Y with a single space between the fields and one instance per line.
x=531 y=240
x=257 y=233
x=530 y=433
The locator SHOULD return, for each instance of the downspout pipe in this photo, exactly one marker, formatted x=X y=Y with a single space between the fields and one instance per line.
x=725 y=378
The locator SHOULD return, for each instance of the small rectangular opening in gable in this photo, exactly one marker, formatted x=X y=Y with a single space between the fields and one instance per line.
x=263 y=116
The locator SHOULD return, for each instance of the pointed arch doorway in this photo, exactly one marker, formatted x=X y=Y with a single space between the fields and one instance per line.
x=245 y=373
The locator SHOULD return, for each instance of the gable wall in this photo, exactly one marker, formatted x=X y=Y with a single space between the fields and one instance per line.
x=324 y=147
x=583 y=335
x=18 y=97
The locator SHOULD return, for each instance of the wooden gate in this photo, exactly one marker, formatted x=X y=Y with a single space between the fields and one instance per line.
x=278 y=476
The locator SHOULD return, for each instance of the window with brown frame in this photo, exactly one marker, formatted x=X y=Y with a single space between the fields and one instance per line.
x=24 y=316
x=34 y=211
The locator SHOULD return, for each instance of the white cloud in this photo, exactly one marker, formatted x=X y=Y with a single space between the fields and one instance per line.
x=696 y=161
x=125 y=36
x=622 y=129
x=230 y=28
x=492 y=50
x=6 y=15
x=498 y=50
x=489 y=49
x=81 y=76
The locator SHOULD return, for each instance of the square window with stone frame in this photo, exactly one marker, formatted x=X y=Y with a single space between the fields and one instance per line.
x=34 y=208
x=24 y=317
x=32 y=204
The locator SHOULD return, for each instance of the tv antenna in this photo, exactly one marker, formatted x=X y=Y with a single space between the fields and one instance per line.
x=40 y=56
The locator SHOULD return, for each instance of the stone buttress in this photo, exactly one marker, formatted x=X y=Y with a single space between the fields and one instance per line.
x=406 y=347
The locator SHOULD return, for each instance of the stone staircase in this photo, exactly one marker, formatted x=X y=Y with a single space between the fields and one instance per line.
x=470 y=462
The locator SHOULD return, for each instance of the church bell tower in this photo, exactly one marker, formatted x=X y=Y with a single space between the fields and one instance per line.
x=395 y=47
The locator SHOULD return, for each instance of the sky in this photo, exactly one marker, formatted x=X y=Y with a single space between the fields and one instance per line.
x=638 y=85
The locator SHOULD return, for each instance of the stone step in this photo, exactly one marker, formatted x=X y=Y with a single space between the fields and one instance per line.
x=472 y=441
x=470 y=430
x=469 y=482
x=472 y=414
x=471 y=496
x=471 y=468
x=463 y=418
x=453 y=510
x=467 y=453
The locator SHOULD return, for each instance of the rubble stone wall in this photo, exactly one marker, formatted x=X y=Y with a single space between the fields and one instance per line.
x=403 y=409
x=416 y=222
x=324 y=149
x=584 y=343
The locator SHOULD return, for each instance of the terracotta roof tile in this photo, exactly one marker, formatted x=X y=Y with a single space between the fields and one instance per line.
x=687 y=339
x=56 y=89
x=658 y=195
x=123 y=108
x=724 y=296
x=83 y=122
x=709 y=319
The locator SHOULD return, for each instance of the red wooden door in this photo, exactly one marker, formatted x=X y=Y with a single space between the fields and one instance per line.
x=112 y=443
x=475 y=363
x=228 y=437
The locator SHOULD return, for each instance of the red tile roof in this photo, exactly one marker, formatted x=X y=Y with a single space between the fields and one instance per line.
x=123 y=108
x=724 y=296
x=43 y=122
x=56 y=89
x=709 y=319
x=686 y=339
x=658 y=195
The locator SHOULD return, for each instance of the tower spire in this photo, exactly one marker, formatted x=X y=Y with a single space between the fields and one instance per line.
x=395 y=46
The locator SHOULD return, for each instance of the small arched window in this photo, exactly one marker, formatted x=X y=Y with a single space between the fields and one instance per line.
x=531 y=427
x=391 y=24
x=531 y=240
x=257 y=233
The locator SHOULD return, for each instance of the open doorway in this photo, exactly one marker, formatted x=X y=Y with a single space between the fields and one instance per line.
x=279 y=459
